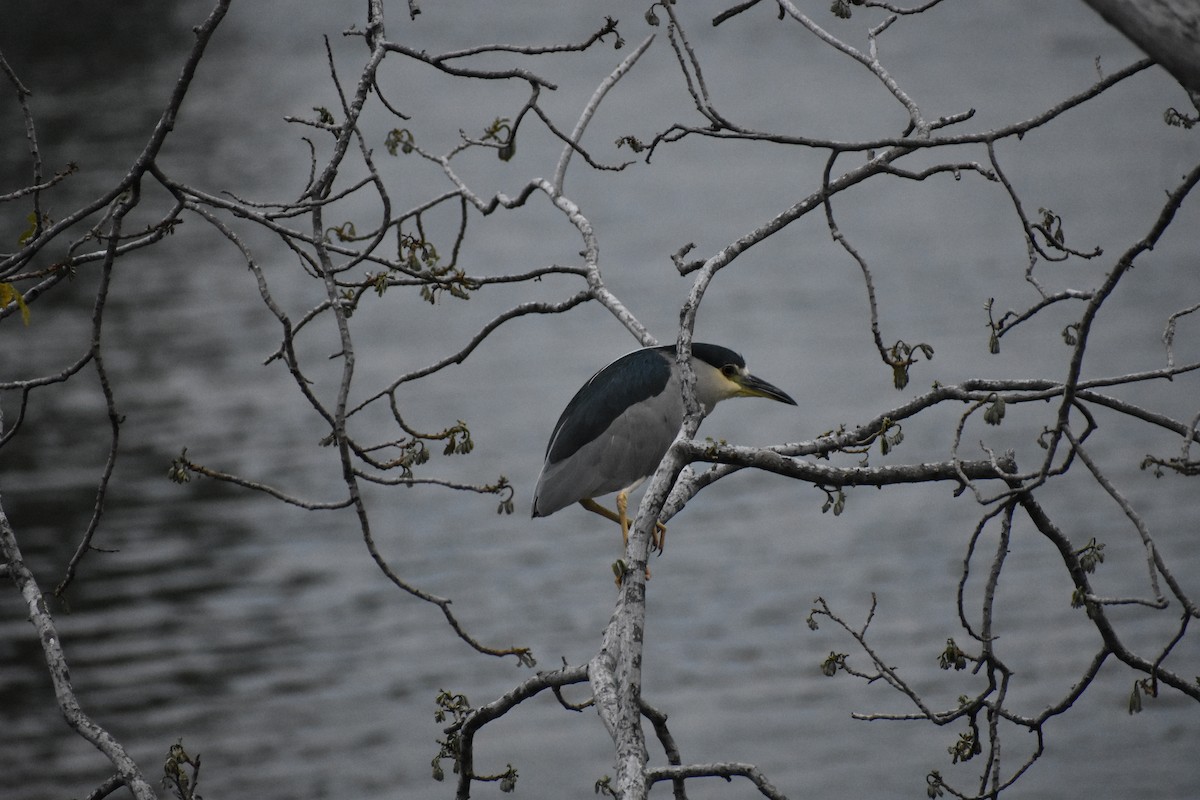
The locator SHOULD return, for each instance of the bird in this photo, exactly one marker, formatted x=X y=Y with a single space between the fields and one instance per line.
x=620 y=424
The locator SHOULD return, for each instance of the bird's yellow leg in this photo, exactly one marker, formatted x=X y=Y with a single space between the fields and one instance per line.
x=660 y=530
x=596 y=508
x=623 y=516
x=620 y=516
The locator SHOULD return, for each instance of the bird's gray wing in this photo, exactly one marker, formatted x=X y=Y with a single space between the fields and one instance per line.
x=608 y=433
x=631 y=379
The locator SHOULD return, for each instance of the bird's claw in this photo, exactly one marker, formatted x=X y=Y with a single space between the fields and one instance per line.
x=658 y=539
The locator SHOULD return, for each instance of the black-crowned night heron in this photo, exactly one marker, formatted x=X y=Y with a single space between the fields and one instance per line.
x=618 y=427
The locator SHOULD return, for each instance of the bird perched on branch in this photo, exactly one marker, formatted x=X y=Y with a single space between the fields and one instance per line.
x=617 y=428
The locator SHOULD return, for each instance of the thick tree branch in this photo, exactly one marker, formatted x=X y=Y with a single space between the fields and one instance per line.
x=1167 y=30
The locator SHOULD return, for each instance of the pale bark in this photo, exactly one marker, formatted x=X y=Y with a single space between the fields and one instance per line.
x=1167 y=30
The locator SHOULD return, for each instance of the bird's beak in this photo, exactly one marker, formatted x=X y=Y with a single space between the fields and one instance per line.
x=756 y=387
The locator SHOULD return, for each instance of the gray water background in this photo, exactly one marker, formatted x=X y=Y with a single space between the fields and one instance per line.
x=265 y=637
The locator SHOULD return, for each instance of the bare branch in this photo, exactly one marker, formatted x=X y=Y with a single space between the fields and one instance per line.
x=56 y=664
x=726 y=770
x=560 y=172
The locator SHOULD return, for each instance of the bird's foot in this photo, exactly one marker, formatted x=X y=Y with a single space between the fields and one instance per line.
x=658 y=539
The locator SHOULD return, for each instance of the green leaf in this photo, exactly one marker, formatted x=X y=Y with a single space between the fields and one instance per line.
x=10 y=294
x=399 y=139
x=27 y=235
x=832 y=663
x=995 y=412
x=1091 y=556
